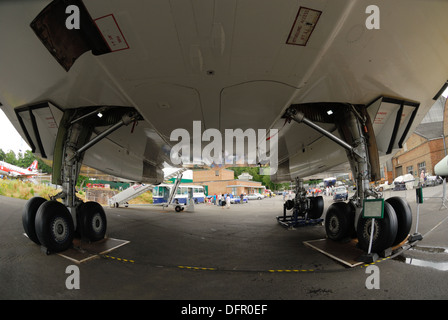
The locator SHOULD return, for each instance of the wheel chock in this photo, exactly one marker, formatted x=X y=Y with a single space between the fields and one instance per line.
x=415 y=237
x=368 y=258
x=45 y=250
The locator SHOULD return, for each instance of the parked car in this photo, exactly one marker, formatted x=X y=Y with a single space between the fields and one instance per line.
x=404 y=182
x=340 y=193
x=385 y=186
x=236 y=199
x=254 y=196
x=432 y=181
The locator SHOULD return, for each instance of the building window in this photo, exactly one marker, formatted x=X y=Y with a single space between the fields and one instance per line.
x=422 y=166
x=410 y=169
x=383 y=176
x=217 y=173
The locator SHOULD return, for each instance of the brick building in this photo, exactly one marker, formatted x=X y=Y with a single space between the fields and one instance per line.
x=221 y=181
x=426 y=146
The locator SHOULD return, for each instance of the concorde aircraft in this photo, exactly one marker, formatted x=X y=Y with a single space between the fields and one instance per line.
x=107 y=82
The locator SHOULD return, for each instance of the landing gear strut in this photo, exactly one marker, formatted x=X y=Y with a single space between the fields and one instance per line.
x=54 y=224
x=344 y=220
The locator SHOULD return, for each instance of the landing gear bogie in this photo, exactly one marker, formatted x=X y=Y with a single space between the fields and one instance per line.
x=54 y=224
x=50 y=224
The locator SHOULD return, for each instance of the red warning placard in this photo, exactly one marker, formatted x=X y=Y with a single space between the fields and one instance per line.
x=111 y=32
x=303 y=26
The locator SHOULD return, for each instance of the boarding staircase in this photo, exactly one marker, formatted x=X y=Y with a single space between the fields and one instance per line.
x=135 y=190
x=178 y=174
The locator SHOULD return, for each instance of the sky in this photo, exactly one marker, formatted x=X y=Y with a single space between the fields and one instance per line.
x=9 y=137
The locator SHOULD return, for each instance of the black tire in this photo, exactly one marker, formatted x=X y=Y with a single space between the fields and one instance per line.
x=289 y=204
x=317 y=207
x=54 y=226
x=92 y=221
x=178 y=208
x=339 y=221
x=404 y=218
x=384 y=234
x=29 y=217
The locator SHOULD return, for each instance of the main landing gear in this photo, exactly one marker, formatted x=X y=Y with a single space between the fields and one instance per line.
x=344 y=220
x=54 y=224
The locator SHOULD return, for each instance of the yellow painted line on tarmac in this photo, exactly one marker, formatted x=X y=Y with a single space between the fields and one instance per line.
x=229 y=270
x=374 y=262
x=270 y=271
x=197 y=268
x=291 y=271
x=118 y=259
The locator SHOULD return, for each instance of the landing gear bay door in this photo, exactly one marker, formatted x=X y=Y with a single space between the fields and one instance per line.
x=40 y=125
x=391 y=119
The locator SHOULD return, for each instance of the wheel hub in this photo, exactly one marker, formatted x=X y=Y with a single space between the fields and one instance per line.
x=97 y=223
x=334 y=224
x=59 y=230
x=368 y=230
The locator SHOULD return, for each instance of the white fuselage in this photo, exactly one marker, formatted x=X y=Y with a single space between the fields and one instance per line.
x=15 y=171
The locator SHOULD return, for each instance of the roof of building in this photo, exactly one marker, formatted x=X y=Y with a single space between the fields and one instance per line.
x=431 y=126
x=430 y=130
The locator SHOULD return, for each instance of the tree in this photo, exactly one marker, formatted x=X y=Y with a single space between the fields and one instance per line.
x=82 y=181
x=255 y=173
x=10 y=157
x=25 y=159
x=43 y=166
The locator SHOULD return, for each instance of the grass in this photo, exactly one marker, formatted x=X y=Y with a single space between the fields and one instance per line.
x=26 y=190
x=144 y=198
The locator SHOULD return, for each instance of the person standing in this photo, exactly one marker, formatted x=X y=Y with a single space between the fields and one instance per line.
x=422 y=177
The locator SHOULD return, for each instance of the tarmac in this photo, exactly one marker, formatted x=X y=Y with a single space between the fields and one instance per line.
x=218 y=254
